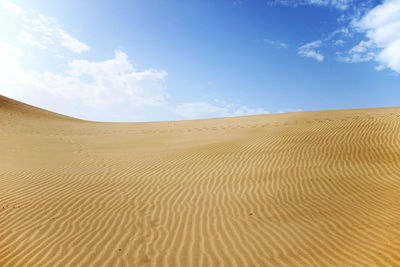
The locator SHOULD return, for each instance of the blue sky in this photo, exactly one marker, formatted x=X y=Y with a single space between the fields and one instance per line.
x=151 y=60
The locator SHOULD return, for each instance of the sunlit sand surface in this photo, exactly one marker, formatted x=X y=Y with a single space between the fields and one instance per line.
x=299 y=189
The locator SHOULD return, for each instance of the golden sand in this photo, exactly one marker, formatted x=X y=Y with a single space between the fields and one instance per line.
x=299 y=189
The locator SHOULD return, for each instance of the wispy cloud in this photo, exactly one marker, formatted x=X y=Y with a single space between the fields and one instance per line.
x=69 y=42
x=27 y=37
x=310 y=50
x=43 y=31
x=364 y=51
x=275 y=43
x=339 y=42
x=216 y=108
x=379 y=24
x=193 y=110
x=203 y=110
x=287 y=110
x=11 y=7
x=340 y=4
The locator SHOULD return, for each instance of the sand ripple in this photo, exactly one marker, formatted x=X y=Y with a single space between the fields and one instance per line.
x=300 y=189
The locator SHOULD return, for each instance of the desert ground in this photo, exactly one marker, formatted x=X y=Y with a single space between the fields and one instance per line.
x=297 y=189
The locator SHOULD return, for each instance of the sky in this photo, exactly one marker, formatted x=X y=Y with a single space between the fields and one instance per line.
x=153 y=60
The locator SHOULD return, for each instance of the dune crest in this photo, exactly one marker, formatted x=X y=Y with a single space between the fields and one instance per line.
x=298 y=189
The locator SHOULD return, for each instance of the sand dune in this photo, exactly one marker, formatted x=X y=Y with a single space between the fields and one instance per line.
x=298 y=189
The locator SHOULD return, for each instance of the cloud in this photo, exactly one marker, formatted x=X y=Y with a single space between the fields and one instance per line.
x=110 y=89
x=245 y=111
x=195 y=110
x=42 y=31
x=339 y=42
x=381 y=26
x=239 y=2
x=275 y=43
x=286 y=110
x=310 y=50
x=109 y=82
x=340 y=4
x=11 y=7
x=47 y=31
x=203 y=110
x=102 y=85
x=104 y=90
x=10 y=69
x=364 y=51
x=70 y=42
x=343 y=32
x=27 y=38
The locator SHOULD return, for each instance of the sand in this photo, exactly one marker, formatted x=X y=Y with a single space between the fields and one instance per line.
x=298 y=189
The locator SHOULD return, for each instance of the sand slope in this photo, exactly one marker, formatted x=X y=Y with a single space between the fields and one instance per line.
x=300 y=189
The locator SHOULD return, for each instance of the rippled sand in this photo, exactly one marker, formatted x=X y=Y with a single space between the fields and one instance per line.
x=299 y=189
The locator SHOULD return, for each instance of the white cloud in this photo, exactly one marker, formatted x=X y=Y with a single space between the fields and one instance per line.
x=244 y=111
x=109 y=86
x=339 y=42
x=382 y=28
x=310 y=50
x=342 y=33
x=101 y=86
x=363 y=52
x=47 y=31
x=42 y=31
x=390 y=56
x=196 y=110
x=71 y=43
x=107 y=83
x=286 y=110
x=275 y=43
x=11 y=7
x=203 y=110
x=111 y=90
x=27 y=37
x=340 y=4
x=11 y=72
x=9 y=54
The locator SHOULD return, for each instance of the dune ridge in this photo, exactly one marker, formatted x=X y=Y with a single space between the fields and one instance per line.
x=297 y=189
